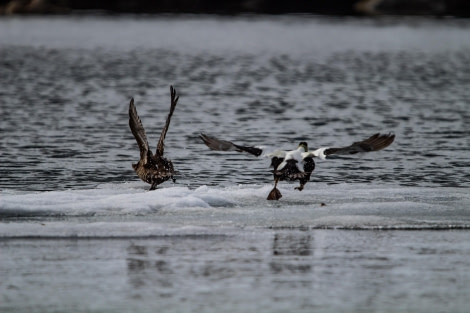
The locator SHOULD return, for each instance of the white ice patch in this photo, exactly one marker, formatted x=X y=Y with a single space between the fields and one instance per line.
x=128 y=210
x=111 y=200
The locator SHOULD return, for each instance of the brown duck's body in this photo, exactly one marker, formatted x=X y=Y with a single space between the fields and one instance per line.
x=156 y=171
x=153 y=169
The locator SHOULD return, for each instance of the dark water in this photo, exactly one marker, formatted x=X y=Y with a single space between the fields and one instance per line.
x=80 y=233
x=64 y=97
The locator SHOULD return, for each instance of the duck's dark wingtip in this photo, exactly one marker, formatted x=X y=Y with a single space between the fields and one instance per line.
x=390 y=136
x=174 y=97
x=204 y=138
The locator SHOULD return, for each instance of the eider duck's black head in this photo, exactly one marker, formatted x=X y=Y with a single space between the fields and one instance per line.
x=304 y=145
x=275 y=162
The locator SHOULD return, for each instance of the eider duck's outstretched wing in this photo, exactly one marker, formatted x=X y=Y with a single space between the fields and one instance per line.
x=373 y=143
x=138 y=131
x=224 y=145
x=174 y=100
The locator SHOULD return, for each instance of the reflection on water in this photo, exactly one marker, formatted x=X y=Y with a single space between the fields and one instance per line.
x=146 y=271
x=292 y=244
x=292 y=263
x=286 y=246
x=265 y=271
x=163 y=265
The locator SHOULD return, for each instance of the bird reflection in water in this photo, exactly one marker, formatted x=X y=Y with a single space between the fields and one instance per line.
x=291 y=252
x=144 y=269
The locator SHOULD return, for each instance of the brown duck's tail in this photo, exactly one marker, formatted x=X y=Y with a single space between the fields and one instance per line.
x=275 y=194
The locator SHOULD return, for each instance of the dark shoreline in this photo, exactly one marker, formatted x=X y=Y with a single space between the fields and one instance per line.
x=441 y=8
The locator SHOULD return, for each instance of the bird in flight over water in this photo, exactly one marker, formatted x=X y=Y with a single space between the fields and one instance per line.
x=298 y=164
x=152 y=168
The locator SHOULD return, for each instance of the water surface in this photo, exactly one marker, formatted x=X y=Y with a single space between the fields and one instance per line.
x=76 y=222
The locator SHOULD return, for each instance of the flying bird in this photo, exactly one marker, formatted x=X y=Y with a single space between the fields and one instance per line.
x=298 y=164
x=152 y=168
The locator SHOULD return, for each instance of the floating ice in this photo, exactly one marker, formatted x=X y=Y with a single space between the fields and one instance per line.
x=128 y=210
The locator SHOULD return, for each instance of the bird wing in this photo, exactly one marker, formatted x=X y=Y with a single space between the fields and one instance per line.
x=174 y=100
x=138 y=131
x=224 y=145
x=373 y=143
x=281 y=154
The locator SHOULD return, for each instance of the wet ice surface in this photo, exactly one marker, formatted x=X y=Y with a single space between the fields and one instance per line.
x=78 y=224
x=262 y=271
x=127 y=210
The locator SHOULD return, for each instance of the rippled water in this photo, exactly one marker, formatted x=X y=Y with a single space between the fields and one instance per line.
x=65 y=94
x=76 y=218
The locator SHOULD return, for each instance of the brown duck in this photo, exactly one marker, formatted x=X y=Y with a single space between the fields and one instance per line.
x=152 y=168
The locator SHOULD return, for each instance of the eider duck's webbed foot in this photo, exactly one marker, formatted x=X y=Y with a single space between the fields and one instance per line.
x=275 y=194
x=303 y=181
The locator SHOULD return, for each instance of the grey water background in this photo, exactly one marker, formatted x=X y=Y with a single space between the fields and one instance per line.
x=267 y=82
x=65 y=85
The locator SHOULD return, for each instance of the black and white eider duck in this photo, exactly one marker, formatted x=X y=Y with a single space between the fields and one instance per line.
x=152 y=168
x=298 y=164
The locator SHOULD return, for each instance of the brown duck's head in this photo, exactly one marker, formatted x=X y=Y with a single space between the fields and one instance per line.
x=304 y=145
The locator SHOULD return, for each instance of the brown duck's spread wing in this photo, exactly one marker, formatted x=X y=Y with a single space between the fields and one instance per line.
x=138 y=131
x=373 y=143
x=224 y=145
x=174 y=100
